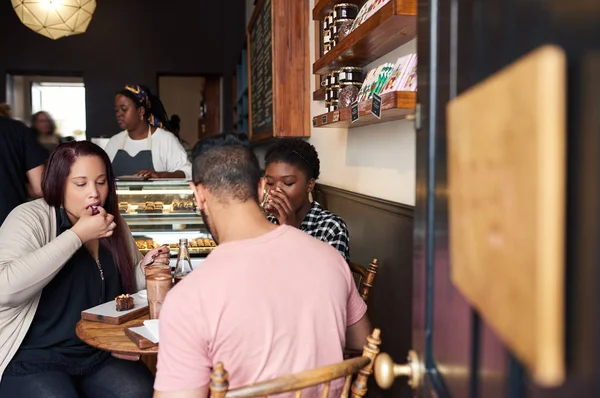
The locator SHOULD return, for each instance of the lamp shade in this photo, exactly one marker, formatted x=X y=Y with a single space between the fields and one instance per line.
x=55 y=18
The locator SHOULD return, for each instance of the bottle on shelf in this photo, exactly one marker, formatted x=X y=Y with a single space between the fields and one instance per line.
x=184 y=263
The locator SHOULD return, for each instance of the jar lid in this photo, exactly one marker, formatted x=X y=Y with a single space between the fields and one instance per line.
x=333 y=100
x=334 y=86
x=344 y=84
x=345 y=5
x=342 y=20
x=351 y=68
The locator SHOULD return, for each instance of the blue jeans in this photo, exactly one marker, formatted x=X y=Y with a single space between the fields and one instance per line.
x=116 y=379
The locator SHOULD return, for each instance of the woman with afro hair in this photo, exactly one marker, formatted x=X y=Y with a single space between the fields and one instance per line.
x=292 y=168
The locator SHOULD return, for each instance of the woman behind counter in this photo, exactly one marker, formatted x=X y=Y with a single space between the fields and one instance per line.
x=144 y=148
x=291 y=170
x=60 y=255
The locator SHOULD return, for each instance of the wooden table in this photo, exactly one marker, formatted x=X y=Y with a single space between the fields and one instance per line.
x=112 y=338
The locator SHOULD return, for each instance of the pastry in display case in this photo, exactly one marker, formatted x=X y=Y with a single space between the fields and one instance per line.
x=160 y=212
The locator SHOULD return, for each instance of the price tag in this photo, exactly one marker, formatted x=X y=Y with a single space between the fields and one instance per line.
x=314 y=122
x=324 y=119
x=336 y=116
x=354 y=112
x=376 y=106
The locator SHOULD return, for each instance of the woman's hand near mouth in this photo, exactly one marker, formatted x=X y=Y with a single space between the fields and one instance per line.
x=90 y=226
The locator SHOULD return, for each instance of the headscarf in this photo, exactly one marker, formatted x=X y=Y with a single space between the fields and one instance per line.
x=143 y=99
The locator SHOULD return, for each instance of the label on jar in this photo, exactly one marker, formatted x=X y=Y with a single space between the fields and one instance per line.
x=334 y=14
x=342 y=75
x=327 y=96
x=332 y=79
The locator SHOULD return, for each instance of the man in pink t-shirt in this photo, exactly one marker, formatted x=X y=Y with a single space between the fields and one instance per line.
x=269 y=300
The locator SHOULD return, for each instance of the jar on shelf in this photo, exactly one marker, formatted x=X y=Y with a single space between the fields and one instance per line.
x=327 y=36
x=345 y=10
x=348 y=94
x=333 y=106
x=337 y=26
x=333 y=78
x=332 y=92
x=345 y=30
x=326 y=48
x=351 y=74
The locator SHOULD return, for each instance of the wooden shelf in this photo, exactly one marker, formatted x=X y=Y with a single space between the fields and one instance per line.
x=319 y=95
x=323 y=7
x=390 y=27
x=394 y=106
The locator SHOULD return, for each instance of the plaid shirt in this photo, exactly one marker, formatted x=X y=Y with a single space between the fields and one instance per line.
x=325 y=226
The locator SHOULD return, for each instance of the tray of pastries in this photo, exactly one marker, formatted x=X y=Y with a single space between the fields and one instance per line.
x=178 y=207
x=195 y=246
x=186 y=206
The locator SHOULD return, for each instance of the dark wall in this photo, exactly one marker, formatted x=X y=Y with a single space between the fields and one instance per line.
x=382 y=229
x=130 y=42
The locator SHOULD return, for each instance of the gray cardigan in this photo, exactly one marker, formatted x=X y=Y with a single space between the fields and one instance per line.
x=30 y=256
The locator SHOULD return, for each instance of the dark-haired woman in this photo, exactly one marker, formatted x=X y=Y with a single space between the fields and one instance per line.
x=44 y=127
x=60 y=255
x=144 y=147
x=292 y=168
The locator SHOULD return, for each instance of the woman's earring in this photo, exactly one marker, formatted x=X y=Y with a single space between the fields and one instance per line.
x=141 y=117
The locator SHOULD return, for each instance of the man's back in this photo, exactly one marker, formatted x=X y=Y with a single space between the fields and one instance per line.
x=19 y=153
x=265 y=307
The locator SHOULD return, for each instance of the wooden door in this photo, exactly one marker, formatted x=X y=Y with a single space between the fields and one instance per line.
x=461 y=43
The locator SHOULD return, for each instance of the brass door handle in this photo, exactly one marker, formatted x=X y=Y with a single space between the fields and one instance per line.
x=386 y=370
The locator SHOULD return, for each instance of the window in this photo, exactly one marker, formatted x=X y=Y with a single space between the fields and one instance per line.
x=65 y=102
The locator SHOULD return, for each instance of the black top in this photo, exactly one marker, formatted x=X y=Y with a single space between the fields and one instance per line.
x=51 y=343
x=19 y=153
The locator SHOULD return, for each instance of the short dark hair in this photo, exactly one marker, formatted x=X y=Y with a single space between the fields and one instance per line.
x=297 y=152
x=227 y=167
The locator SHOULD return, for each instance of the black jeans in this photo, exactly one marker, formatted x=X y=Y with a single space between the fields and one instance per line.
x=116 y=379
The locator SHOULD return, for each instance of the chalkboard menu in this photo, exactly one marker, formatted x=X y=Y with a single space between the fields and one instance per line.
x=261 y=71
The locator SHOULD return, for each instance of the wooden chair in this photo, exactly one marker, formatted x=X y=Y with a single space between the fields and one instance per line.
x=364 y=277
x=361 y=366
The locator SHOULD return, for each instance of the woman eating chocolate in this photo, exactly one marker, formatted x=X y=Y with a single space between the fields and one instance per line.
x=292 y=168
x=60 y=255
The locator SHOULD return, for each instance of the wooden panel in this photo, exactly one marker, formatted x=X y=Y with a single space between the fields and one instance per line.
x=212 y=99
x=290 y=69
x=382 y=229
x=394 y=106
x=506 y=142
x=390 y=27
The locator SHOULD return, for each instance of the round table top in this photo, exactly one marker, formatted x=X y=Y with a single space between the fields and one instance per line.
x=112 y=337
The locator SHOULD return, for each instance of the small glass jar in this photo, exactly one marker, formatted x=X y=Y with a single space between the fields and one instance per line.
x=333 y=78
x=348 y=95
x=345 y=11
x=337 y=26
x=333 y=106
x=351 y=74
x=327 y=36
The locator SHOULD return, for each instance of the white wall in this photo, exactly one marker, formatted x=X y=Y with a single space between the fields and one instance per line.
x=376 y=160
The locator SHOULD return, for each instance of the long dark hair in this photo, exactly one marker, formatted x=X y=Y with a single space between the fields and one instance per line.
x=34 y=119
x=156 y=106
x=53 y=185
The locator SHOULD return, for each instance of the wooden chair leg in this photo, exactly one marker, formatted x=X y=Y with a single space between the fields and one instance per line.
x=371 y=350
x=219 y=381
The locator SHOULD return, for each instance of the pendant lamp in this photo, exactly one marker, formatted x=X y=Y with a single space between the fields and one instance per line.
x=55 y=18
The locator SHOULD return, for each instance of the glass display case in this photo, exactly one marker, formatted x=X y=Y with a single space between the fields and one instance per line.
x=161 y=212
